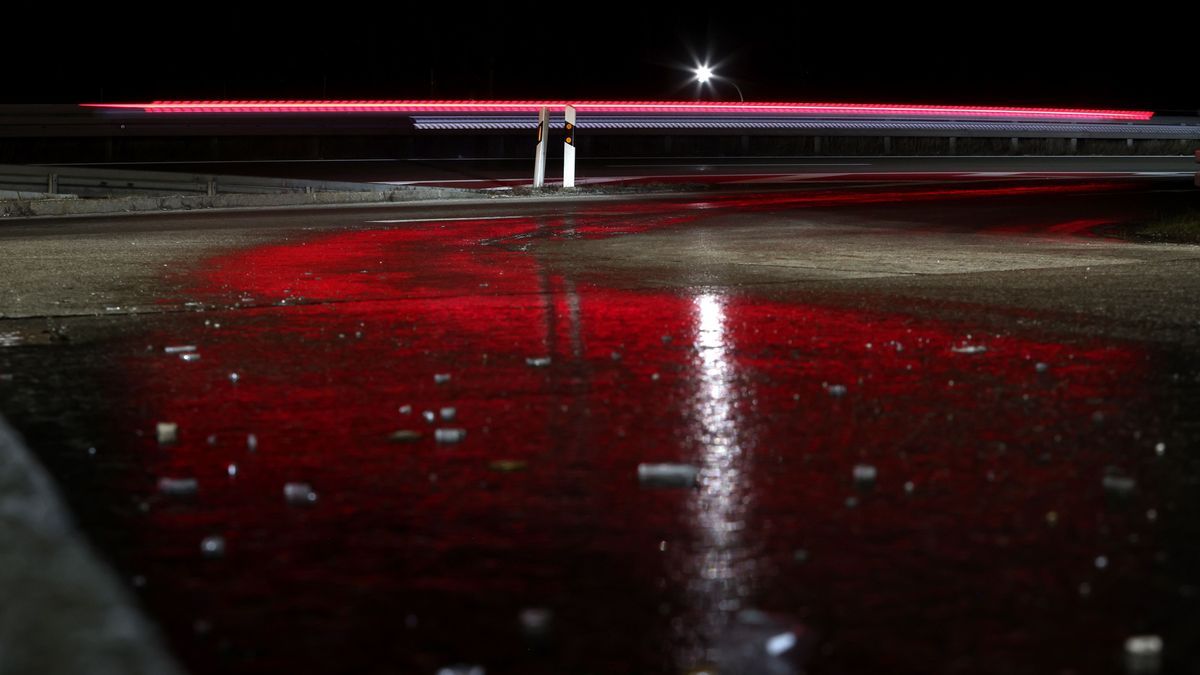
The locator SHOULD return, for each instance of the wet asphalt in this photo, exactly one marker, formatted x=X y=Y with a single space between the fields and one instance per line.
x=916 y=428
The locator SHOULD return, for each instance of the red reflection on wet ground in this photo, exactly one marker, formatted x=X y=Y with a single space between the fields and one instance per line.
x=1070 y=228
x=968 y=549
x=791 y=179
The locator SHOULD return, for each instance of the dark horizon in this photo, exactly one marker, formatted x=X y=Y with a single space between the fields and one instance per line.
x=95 y=55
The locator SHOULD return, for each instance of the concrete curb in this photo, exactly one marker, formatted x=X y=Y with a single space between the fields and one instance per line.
x=63 y=611
x=25 y=208
x=454 y=198
x=27 y=195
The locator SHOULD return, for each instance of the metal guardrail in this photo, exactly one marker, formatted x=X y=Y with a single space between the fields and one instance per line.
x=87 y=182
x=833 y=127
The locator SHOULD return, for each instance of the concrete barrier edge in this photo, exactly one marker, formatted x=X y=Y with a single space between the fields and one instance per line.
x=25 y=208
x=63 y=610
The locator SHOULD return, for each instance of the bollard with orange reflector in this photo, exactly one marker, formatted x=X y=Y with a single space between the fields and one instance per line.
x=569 y=147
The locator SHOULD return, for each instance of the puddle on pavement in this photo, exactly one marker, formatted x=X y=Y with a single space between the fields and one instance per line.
x=870 y=491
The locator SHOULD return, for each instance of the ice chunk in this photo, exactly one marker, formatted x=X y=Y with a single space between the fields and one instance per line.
x=404 y=436
x=1143 y=654
x=535 y=621
x=668 y=475
x=538 y=361
x=179 y=349
x=780 y=643
x=213 y=547
x=757 y=642
x=449 y=435
x=864 y=474
x=1119 y=485
x=167 y=432
x=178 y=487
x=968 y=349
x=299 y=493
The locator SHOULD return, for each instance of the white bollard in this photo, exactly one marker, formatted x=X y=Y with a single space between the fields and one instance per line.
x=539 y=154
x=569 y=147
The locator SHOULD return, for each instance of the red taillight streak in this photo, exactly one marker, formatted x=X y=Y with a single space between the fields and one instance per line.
x=626 y=107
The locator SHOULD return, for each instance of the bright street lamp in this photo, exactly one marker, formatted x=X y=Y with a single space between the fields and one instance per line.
x=704 y=74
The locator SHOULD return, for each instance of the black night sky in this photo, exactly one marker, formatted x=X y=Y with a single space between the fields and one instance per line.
x=994 y=54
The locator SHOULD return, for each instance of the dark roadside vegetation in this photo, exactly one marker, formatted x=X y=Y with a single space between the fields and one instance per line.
x=1181 y=228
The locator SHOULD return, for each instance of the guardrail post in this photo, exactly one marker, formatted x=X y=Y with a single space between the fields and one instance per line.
x=52 y=184
x=569 y=147
x=539 y=153
x=212 y=186
x=953 y=145
x=1014 y=145
x=1074 y=146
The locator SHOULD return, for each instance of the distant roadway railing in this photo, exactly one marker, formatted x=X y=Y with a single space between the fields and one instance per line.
x=108 y=182
x=1138 y=130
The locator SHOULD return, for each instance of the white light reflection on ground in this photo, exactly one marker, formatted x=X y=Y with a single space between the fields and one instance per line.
x=718 y=558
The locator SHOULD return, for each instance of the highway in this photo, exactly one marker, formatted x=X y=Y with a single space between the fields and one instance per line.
x=925 y=425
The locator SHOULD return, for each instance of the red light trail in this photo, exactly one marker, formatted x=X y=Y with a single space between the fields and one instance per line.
x=633 y=107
